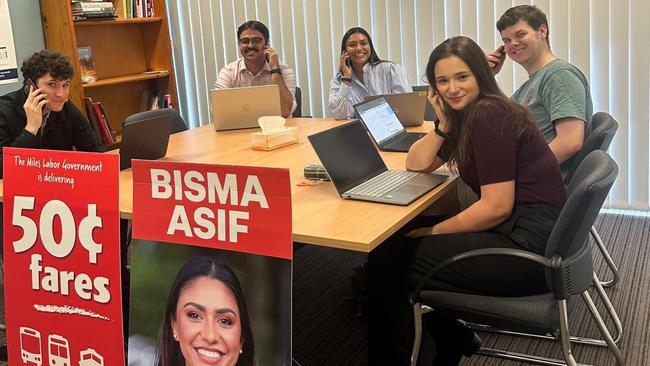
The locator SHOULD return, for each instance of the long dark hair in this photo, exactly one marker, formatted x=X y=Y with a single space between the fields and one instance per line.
x=373 y=59
x=489 y=93
x=169 y=352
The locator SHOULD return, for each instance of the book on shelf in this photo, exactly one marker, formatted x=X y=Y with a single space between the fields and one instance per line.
x=105 y=120
x=82 y=10
x=99 y=118
x=143 y=8
x=92 y=117
x=87 y=65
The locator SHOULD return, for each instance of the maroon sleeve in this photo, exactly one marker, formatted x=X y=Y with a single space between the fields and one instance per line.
x=493 y=145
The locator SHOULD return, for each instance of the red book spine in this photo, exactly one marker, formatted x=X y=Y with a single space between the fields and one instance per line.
x=108 y=124
x=106 y=135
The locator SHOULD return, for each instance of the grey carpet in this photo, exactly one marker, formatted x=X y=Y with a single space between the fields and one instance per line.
x=326 y=332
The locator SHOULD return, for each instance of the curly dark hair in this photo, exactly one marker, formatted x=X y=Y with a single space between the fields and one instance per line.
x=47 y=62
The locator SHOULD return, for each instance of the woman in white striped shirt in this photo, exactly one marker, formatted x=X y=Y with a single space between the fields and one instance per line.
x=361 y=74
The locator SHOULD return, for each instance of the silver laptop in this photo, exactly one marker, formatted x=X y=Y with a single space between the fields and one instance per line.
x=358 y=172
x=384 y=127
x=145 y=135
x=408 y=107
x=237 y=108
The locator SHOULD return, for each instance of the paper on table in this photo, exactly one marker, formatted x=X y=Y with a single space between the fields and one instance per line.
x=271 y=123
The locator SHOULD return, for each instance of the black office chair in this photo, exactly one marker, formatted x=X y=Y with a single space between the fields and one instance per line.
x=569 y=272
x=603 y=130
x=178 y=124
x=429 y=113
x=298 y=95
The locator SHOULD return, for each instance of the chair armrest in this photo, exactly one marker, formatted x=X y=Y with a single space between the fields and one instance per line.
x=415 y=295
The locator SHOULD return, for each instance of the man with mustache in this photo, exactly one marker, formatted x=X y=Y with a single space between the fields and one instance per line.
x=259 y=65
x=556 y=92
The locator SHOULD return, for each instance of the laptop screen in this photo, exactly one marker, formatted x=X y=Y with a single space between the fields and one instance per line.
x=348 y=155
x=380 y=119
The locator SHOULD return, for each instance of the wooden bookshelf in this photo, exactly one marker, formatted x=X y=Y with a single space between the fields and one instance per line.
x=118 y=21
x=131 y=56
x=127 y=79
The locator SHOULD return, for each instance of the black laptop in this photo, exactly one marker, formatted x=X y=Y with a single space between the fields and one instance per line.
x=384 y=127
x=358 y=172
x=145 y=135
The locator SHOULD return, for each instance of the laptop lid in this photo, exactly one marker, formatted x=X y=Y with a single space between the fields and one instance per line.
x=379 y=118
x=408 y=107
x=145 y=135
x=429 y=112
x=237 y=108
x=348 y=155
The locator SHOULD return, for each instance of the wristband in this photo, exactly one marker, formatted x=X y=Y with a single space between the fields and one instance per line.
x=276 y=71
x=437 y=130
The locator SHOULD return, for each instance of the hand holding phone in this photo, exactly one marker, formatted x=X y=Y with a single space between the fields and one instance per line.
x=33 y=107
x=438 y=104
x=345 y=65
x=496 y=59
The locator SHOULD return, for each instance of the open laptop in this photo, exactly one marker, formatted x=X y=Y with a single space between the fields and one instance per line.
x=384 y=127
x=408 y=107
x=358 y=172
x=145 y=135
x=237 y=108
x=429 y=112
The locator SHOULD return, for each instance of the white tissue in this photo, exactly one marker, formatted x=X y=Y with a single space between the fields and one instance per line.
x=271 y=123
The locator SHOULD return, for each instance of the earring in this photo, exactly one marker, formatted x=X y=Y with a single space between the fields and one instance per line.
x=241 y=351
x=175 y=336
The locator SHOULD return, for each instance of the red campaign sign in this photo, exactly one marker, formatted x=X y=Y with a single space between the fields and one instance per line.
x=61 y=258
x=245 y=209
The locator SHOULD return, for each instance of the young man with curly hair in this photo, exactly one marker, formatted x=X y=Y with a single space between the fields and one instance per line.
x=39 y=115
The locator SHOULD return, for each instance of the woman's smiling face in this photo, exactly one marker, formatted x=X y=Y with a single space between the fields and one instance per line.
x=207 y=324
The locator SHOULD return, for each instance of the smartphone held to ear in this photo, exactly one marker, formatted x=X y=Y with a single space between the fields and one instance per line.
x=29 y=82
x=348 y=62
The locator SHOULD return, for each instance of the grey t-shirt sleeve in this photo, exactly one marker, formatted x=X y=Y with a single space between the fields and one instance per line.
x=564 y=94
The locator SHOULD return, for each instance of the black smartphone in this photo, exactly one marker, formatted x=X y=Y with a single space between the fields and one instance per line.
x=502 y=50
x=29 y=82
x=348 y=62
x=266 y=55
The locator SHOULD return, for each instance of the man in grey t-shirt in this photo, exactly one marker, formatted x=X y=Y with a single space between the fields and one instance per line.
x=556 y=93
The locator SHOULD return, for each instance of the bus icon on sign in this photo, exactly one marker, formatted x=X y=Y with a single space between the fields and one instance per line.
x=30 y=346
x=59 y=350
x=90 y=357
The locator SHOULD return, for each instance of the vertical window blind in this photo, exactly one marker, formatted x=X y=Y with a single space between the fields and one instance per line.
x=606 y=39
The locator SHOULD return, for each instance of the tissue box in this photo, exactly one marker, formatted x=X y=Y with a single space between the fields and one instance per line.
x=274 y=139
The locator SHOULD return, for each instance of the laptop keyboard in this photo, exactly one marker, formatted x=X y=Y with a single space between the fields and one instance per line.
x=383 y=183
x=405 y=141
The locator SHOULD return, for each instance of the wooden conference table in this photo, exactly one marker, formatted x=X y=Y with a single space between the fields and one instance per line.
x=320 y=216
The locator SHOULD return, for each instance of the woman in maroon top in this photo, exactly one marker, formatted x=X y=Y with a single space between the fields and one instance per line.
x=499 y=152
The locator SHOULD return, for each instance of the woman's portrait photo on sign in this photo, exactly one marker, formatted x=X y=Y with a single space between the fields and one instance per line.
x=199 y=306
